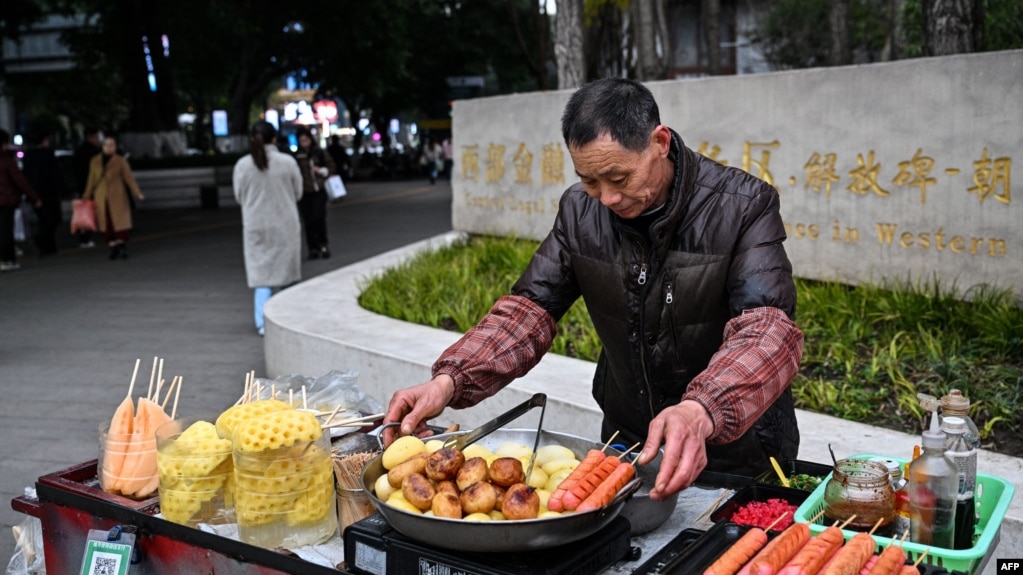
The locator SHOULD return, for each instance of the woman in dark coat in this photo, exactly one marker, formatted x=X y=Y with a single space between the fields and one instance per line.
x=45 y=176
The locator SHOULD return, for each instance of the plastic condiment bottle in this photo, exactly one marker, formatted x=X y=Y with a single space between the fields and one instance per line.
x=965 y=457
x=902 y=514
x=955 y=404
x=933 y=491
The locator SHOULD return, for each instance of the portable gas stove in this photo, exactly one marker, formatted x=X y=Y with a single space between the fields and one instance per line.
x=372 y=547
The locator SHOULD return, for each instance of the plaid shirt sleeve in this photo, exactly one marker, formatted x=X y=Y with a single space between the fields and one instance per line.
x=758 y=358
x=508 y=342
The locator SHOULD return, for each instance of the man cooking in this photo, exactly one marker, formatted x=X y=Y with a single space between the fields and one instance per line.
x=680 y=262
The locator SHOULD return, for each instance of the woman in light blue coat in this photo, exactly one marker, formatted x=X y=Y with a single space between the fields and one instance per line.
x=267 y=184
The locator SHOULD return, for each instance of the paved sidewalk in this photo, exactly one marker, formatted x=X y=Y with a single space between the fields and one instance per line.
x=73 y=324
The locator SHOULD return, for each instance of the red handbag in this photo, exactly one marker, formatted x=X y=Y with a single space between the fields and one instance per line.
x=83 y=216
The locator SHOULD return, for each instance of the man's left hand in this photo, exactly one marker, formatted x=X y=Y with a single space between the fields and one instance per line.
x=683 y=430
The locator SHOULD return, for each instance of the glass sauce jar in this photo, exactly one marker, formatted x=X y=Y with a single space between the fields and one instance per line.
x=862 y=488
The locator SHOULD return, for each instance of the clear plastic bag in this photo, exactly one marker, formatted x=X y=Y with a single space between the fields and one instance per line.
x=28 y=557
x=323 y=393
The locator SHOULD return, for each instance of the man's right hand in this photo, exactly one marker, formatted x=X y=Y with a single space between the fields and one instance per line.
x=414 y=406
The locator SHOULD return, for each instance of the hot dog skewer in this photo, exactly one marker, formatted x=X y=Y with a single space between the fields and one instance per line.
x=732 y=560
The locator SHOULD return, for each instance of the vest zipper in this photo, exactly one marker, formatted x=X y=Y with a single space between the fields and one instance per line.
x=642 y=274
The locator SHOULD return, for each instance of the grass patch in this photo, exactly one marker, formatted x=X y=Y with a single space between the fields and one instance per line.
x=868 y=350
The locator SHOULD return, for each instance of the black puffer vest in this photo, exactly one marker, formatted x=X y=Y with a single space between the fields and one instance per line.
x=660 y=305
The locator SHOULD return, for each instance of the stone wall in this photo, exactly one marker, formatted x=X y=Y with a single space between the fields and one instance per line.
x=886 y=171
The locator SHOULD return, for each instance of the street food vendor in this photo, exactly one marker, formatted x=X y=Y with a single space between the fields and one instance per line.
x=681 y=265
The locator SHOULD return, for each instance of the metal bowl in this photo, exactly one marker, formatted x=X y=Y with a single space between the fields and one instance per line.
x=520 y=535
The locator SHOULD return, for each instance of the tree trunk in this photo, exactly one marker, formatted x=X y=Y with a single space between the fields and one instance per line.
x=895 y=45
x=568 y=44
x=841 y=44
x=645 y=32
x=951 y=26
x=712 y=32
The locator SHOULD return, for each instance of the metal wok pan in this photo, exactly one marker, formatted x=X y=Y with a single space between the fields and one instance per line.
x=520 y=535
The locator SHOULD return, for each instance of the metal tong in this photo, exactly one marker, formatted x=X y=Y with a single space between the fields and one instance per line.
x=460 y=442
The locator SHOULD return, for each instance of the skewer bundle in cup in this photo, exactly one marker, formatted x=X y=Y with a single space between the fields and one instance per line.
x=352 y=500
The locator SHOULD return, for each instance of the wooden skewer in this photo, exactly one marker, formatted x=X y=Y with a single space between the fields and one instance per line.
x=626 y=452
x=876 y=525
x=349 y=422
x=847 y=521
x=610 y=439
x=291 y=397
x=177 y=393
x=725 y=493
x=333 y=414
x=775 y=522
x=156 y=394
x=305 y=404
x=159 y=376
x=273 y=391
x=152 y=377
x=170 y=390
x=131 y=387
x=920 y=558
x=816 y=517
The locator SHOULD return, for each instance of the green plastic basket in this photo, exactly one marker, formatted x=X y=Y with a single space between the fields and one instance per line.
x=992 y=500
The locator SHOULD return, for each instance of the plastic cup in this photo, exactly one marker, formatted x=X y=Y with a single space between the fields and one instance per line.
x=353 y=505
x=285 y=497
x=126 y=467
x=196 y=472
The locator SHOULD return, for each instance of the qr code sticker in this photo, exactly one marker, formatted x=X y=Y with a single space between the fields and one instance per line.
x=104 y=565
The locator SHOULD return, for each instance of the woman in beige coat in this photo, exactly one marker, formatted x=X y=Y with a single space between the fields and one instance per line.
x=109 y=176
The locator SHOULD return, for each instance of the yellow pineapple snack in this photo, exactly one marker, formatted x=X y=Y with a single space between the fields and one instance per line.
x=275 y=430
x=231 y=417
x=284 y=480
x=196 y=473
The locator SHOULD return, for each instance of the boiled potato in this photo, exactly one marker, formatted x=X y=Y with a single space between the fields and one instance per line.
x=403 y=448
x=555 y=465
x=403 y=504
x=496 y=515
x=554 y=480
x=551 y=453
x=544 y=496
x=476 y=450
x=477 y=517
x=513 y=449
x=433 y=445
x=537 y=478
x=383 y=488
x=547 y=513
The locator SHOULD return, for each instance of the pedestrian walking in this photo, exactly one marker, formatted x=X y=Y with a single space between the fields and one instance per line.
x=268 y=185
x=45 y=176
x=110 y=182
x=84 y=153
x=13 y=186
x=316 y=166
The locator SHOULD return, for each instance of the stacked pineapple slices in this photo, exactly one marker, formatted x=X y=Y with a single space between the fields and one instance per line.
x=129 y=452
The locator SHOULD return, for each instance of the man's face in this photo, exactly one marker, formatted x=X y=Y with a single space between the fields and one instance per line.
x=626 y=182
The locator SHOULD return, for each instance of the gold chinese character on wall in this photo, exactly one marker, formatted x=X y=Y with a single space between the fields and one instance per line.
x=864 y=177
x=470 y=163
x=552 y=165
x=495 y=163
x=989 y=176
x=761 y=165
x=820 y=172
x=914 y=173
x=523 y=161
x=712 y=152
